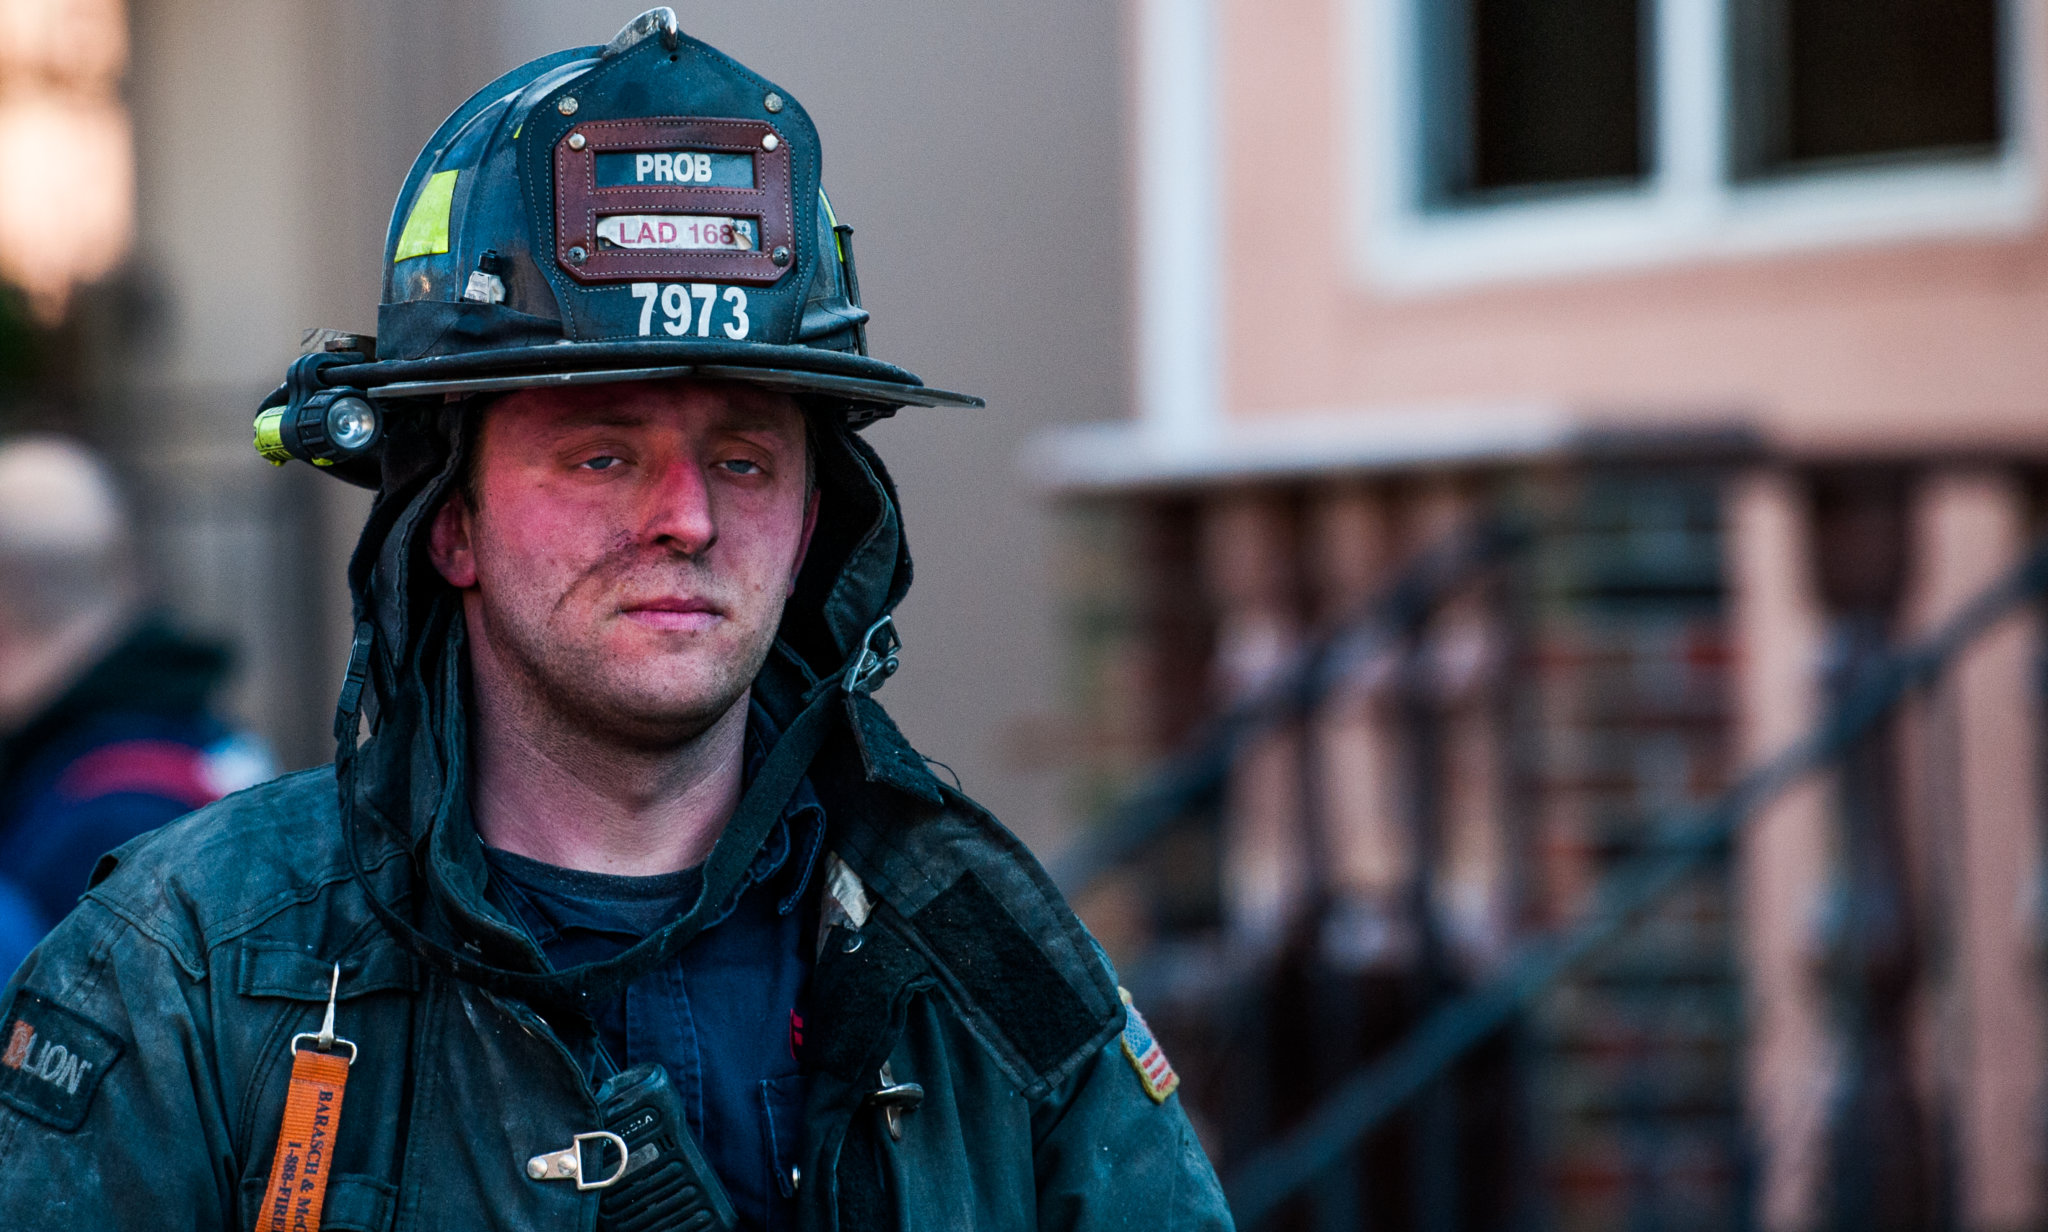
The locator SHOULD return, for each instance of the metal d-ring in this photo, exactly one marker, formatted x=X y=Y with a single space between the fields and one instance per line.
x=567 y=1164
x=618 y=1144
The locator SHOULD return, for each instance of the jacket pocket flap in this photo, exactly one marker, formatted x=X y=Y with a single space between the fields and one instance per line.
x=283 y=970
x=355 y=1203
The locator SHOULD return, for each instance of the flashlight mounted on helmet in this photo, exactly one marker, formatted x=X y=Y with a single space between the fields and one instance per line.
x=334 y=427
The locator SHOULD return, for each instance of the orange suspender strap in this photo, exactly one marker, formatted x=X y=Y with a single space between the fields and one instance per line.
x=305 y=1141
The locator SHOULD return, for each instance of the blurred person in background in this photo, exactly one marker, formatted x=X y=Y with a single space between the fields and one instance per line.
x=106 y=722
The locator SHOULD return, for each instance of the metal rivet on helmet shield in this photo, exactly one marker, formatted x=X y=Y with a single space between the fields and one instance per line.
x=576 y=255
x=770 y=141
x=773 y=103
x=780 y=255
x=566 y=104
x=576 y=141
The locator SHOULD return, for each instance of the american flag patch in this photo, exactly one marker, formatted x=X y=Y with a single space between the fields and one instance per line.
x=1155 y=1072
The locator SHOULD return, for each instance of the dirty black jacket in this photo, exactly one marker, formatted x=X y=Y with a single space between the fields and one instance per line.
x=145 y=1047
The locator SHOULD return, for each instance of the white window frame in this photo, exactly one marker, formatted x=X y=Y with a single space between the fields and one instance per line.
x=1180 y=318
x=1689 y=208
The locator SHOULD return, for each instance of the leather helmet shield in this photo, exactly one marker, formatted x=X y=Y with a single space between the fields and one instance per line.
x=658 y=102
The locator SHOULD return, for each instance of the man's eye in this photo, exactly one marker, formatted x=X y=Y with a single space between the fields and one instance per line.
x=741 y=466
x=603 y=462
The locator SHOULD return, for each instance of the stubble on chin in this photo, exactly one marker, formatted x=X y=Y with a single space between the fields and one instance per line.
x=566 y=671
x=653 y=699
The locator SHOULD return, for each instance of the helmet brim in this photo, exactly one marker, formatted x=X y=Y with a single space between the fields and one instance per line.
x=801 y=370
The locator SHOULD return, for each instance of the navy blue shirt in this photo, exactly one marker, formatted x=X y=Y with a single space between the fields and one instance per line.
x=722 y=1015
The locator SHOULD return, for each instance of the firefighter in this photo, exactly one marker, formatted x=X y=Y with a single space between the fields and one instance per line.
x=625 y=904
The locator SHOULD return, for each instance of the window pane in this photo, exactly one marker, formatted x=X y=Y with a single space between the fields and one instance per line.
x=1557 y=89
x=1837 y=79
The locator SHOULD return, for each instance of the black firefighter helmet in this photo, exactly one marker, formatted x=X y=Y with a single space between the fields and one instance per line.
x=642 y=210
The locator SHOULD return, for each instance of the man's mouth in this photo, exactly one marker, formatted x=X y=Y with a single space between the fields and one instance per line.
x=672 y=613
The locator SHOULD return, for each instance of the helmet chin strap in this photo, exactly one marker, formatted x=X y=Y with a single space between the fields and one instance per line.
x=760 y=807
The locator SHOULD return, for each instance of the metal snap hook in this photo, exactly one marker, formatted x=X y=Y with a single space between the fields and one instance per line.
x=325 y=1041
x=876 y=660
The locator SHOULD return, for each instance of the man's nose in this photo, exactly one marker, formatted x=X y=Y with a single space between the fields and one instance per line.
x=676 y=508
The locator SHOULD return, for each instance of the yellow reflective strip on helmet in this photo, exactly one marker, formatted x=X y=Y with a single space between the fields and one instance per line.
x=832 y=221
x=426 y=228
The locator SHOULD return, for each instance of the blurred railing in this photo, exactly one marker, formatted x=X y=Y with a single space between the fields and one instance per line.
x=1193 y=778
x=1866 y=692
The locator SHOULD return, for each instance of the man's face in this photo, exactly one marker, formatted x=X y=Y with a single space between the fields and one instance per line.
x=630 y=549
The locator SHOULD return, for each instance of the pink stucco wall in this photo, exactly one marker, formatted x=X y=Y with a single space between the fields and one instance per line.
x=1929 y=343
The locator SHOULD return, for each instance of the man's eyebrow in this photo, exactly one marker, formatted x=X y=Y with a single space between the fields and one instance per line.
x=752 y=419
x=598 y=417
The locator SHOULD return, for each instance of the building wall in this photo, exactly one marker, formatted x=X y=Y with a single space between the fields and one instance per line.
x=1935 y=339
